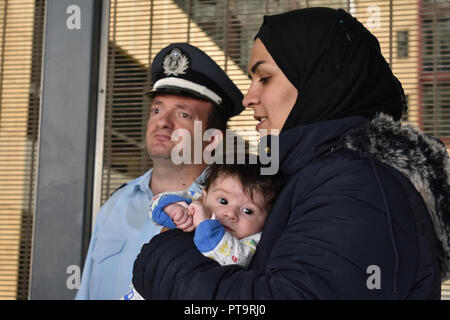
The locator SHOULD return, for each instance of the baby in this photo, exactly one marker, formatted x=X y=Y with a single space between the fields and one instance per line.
x=229 y=215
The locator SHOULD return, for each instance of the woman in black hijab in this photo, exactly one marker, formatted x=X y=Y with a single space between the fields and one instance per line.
x=365 y=211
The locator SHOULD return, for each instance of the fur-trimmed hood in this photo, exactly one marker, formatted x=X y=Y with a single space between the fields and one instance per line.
x=418 y=156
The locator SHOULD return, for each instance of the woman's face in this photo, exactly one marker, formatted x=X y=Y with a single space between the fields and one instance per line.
x=271 y=95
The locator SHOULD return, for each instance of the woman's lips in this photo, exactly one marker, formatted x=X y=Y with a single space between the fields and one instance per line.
x=261 y=121
x=259 y=124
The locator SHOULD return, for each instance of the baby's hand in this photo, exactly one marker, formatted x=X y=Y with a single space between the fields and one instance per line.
x=178 y=212
x=198 y=212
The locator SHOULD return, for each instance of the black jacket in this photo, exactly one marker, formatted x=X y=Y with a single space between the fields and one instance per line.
x=364 y=214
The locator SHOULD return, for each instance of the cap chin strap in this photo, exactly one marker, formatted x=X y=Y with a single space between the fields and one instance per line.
x=188 y=85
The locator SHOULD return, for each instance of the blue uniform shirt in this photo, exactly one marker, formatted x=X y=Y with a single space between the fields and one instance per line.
x=121 y=227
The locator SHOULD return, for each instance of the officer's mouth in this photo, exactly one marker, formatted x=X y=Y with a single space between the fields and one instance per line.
x=162 y=137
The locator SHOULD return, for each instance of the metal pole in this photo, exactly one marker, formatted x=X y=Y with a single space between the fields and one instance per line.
x=101 y=105
x=66 y=146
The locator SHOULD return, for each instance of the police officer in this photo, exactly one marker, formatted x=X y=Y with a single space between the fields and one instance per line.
x=188 y=86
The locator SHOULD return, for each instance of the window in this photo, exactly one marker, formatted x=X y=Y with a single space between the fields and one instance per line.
x=436 y=51
x=436 y=109
x=405 y=114
x=434 y=77
x=402 y=44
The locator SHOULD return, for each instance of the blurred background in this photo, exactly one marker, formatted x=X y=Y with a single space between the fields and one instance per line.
x=414 y=37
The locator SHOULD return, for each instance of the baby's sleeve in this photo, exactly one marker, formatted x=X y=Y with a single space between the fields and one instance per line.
x=162 y=200
x=214 y=242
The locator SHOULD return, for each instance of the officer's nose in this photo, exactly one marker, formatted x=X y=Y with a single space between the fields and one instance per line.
x=165 y=120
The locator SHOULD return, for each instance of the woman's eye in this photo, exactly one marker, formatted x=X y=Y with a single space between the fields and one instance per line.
x=222 y=201
x=185 y=115
x=154 y=111
x=247 y=211
x=264 y=79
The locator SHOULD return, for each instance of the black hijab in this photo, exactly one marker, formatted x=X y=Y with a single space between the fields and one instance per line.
x=334 y=62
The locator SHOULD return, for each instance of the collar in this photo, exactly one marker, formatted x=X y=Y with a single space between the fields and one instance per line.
x=143 y=183
x=301 y=144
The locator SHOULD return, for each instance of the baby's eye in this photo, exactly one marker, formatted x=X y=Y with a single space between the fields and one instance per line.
x=247 y=211
x=222 y=201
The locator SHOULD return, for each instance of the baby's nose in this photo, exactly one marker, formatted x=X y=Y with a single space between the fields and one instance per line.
x=231 y=214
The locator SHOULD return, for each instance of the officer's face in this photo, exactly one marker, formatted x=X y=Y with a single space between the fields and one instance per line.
x=271 y=94
x=170 y=112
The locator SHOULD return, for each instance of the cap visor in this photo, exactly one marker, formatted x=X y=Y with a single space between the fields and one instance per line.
x=177 y=91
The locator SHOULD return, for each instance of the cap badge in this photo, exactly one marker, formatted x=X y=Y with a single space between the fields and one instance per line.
x=175 y=63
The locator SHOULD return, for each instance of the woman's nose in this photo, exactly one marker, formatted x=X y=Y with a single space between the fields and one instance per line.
x=250 y=98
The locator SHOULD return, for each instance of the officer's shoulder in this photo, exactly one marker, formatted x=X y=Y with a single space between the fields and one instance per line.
x=122 y=186
x=125 y=186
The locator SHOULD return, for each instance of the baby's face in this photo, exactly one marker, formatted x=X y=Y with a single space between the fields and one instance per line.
x=241 y=215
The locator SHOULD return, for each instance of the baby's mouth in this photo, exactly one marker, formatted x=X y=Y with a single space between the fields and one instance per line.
x=228 y=229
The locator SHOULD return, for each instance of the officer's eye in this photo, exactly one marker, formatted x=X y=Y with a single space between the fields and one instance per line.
x=247 y=211
x=154 y=110
x=222 y=201
x=183 y=115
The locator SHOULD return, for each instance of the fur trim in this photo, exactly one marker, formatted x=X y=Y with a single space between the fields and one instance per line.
x=422 y=159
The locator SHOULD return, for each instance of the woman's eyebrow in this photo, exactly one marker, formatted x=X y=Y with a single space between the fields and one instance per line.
x=255 y=66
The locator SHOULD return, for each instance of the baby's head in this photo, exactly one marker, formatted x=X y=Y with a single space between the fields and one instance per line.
x=239 y=196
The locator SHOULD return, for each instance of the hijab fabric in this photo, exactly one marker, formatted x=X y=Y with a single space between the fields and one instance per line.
x=334 y=62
